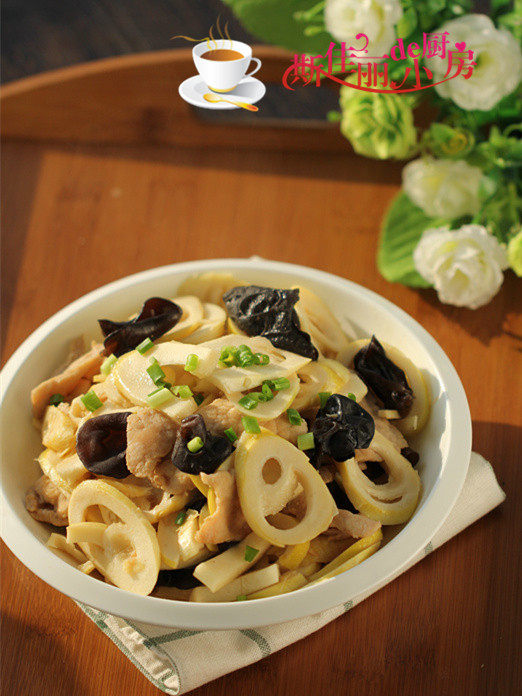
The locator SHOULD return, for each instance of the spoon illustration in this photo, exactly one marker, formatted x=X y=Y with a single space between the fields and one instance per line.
x=213 y=98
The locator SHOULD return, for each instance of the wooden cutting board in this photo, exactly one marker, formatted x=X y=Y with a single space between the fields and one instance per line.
x=108 y=172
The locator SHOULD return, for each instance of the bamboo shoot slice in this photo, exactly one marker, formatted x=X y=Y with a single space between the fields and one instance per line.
x=350 y=563
x=177 y=543
x=190 y=319
x=212 y=325
x=130 y=556
x=419 y=413
x=268 y=410
x=393 y=502
x=290 y=581
x=229 y=565
x=317 y=320
x=253 y=453
x=243 y=585
x=349 y=553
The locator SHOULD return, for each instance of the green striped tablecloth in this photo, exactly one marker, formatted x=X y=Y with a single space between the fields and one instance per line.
x=171 y=659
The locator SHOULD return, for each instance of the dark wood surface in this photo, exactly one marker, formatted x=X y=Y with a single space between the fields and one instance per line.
x=77 y=215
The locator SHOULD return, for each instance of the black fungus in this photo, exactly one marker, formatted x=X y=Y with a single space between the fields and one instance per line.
x=182 y=579
x=386 y=380
x=157 y=316
x=411 y=455
x=270 y=312
x=101 y=444
x=342 y=501
x=340 y=427
x=206 y=460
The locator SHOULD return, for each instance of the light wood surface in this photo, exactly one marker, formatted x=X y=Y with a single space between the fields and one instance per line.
x=78 y=215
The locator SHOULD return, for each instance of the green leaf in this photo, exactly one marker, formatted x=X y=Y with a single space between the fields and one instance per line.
x=402 y=228
x=273 y=21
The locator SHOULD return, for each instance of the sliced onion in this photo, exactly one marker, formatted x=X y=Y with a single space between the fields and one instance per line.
x=252 y=454
x=130 y=556
x=393 y=502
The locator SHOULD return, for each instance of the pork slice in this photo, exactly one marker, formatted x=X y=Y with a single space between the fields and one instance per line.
x=227 y=523
x=354 y=525
x=150 y=440
x=86 y=366
x=47 y=503
x=221 y=414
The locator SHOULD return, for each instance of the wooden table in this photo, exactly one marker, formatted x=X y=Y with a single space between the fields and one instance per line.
x=97 y=186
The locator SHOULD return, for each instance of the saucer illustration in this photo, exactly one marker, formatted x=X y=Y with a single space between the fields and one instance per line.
x=249 y=90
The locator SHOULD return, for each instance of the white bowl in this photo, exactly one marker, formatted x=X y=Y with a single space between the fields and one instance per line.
x=444 y=445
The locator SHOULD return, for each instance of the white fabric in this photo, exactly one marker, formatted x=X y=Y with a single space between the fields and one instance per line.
x=172 y=659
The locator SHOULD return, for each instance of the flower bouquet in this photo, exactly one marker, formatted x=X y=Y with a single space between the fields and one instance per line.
x=457 y=223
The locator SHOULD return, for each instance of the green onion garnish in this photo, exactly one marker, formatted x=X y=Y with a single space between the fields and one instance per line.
x=108 y=364
x=250 y=553
x=351 y=396
x=195 y=445
x=144 y=346
x=159 y=396
x=191 y=362
x=244 y=356
x=248 y=402
x=56 y=399
x=230 y=433
x=180 y=517
x=199 y=399
x=306 y=441
x=261 y=359
x=241 y=598
x=323 y=397
x=155 y=372
x=228 y=356
x=91 y=401
x=259 y=396
x=250 y=424
x=279 y=383
x=182 y=391
x=267 y=392
x=293 y=416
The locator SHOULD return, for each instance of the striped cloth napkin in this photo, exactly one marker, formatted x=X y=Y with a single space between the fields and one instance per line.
x=171 y=660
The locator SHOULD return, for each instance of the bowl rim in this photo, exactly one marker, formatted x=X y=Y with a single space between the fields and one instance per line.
x=376 y=571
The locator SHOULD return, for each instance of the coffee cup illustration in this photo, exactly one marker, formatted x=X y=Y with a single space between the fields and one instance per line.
x=223 y=63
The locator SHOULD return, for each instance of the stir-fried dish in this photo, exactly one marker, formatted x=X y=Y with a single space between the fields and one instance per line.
x=232 y=443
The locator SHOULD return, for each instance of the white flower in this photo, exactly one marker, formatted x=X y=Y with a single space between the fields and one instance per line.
x=498 y=57
x=344 y=19
x=465 y=266
x=443 y=188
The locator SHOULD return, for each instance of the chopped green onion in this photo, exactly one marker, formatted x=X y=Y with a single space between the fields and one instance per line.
x=230 y=433
x=159 y=397
x=244 y=356
x=241 y=598
x=306 y=441
x=250 y=553
x=144 y=346
x=250 y=424
x=195 y=445
x=191 y=362
x=155 y=372
x=180 y=517
x=323 y=397
x=228 y=356
x=261 y=359
x=351 y=396
x=183 y=391
x=56 y=399
x=259 y=396
x=293 y=416
x=199 y=399
x=91 y=401
x=279 y=383
x=267 y=392
x=108 y=364
x=249 y=402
